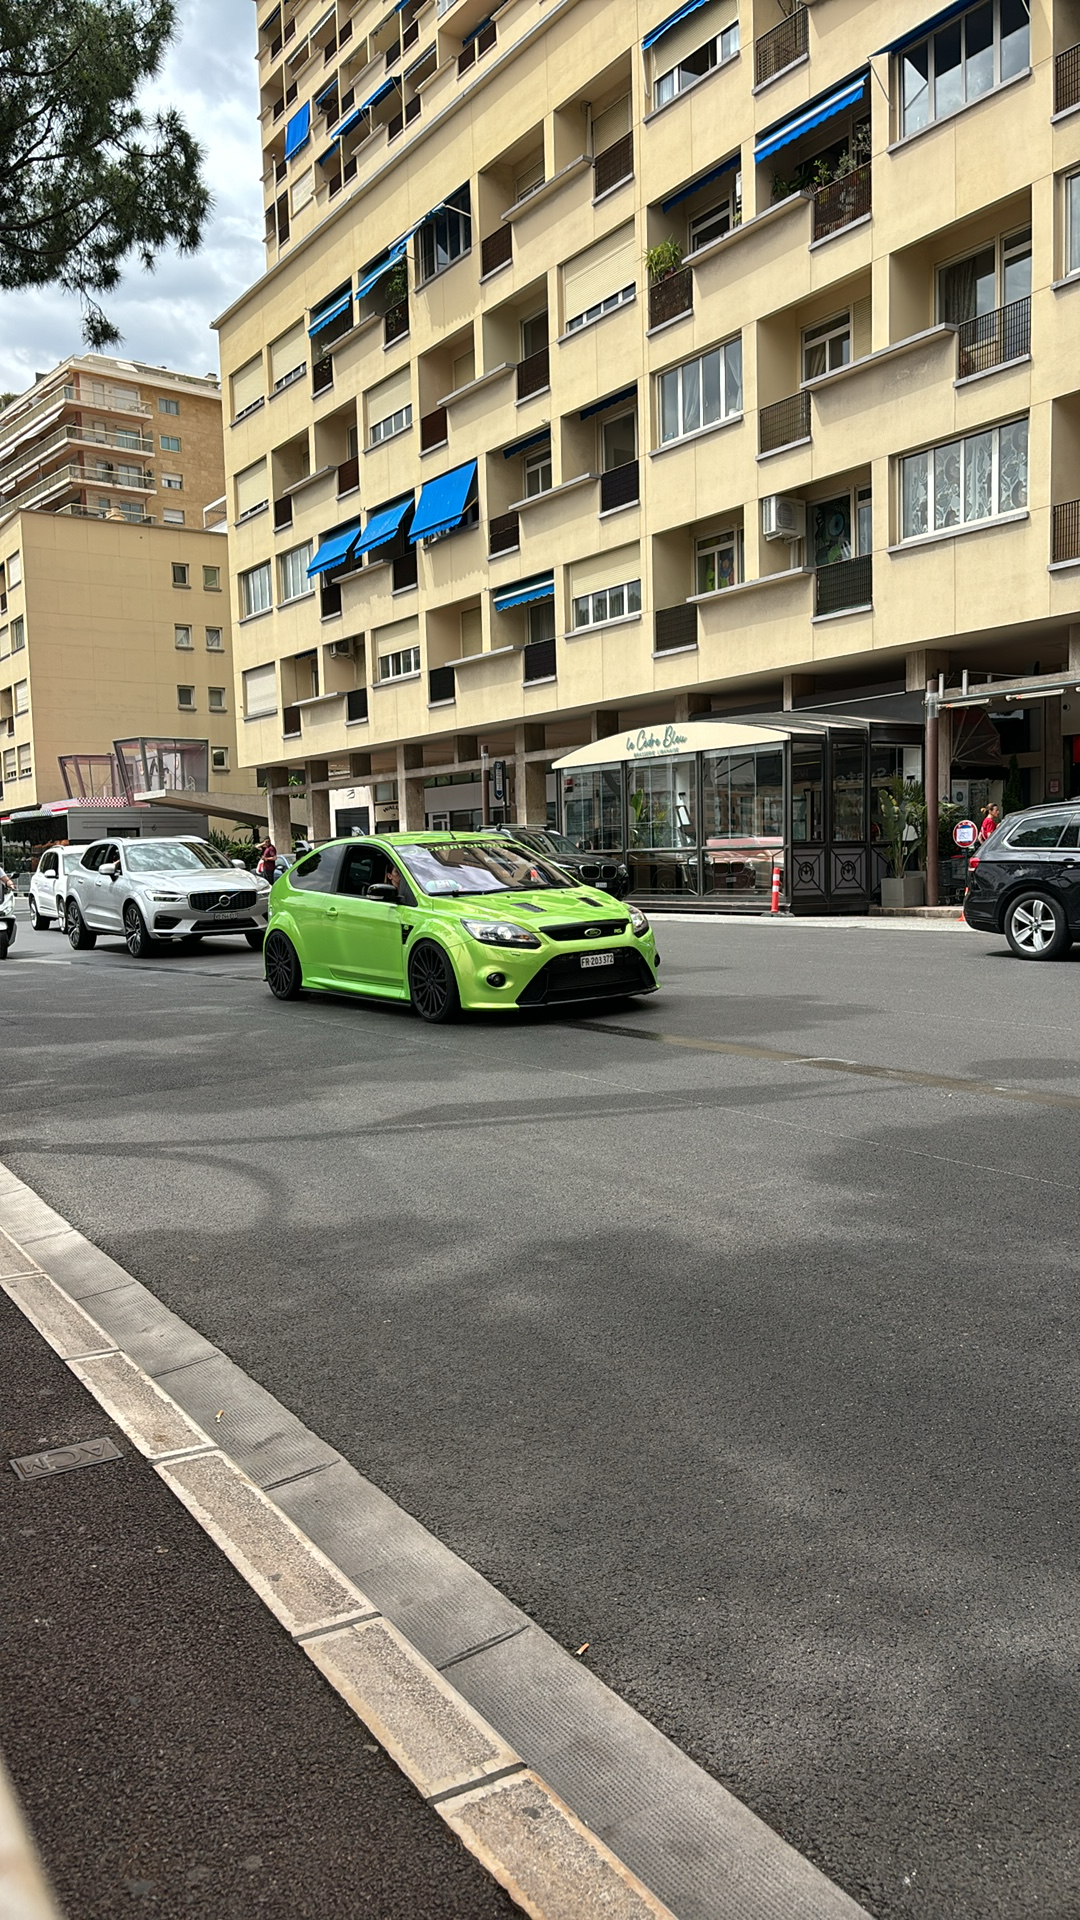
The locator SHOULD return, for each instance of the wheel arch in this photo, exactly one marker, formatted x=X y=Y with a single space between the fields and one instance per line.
x=1016 y=888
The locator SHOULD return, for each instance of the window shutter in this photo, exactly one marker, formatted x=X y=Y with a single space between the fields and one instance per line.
x=248 y=385
x=601 y=270
x=701 y=27
x=260 y=690
x=601 y=570
x=288 y=353
x=610 y=125
x=401 y=633
x=251 y=488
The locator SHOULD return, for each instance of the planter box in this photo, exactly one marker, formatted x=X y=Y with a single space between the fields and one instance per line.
x=908 y=891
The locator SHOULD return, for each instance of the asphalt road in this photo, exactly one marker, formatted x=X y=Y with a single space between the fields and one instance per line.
x=756 y=1373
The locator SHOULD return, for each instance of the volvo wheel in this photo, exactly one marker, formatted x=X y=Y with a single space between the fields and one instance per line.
x=78 y=932
x=38 y=920
x=433 y=988
x=139 y=944
x=1036 y=927
x=283 y=974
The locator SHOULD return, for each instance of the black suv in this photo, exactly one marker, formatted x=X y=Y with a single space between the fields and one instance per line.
x=1024 y=882
x=589 y=869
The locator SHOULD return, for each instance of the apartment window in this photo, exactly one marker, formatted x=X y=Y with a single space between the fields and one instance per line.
x=26 y=762
x=303 y=190
x=826 y=347
x=607 y=305
x=4 y=647
x=540 y=621
x=248 y=384
x=214 y=640
x=127 y=438
x=397 y=666
x=182 y=637
x=611 y=603
x=216 y=699
x=173 y=482
x=529 y=179
x=260 y=691
x=172 y=516
x=965 y=482
x=395 y=422
x=964 y=59
x=537 y=473
x=719 y=560
x=864 y=520
x=701 y=392
x=694 y=66
x=21 y=696
x=180 y=572
x=168 y=406
x=14 y=569
x=168 y=442
x=600 y=279
x=219 y=759
x=618 y=442
x=715 y=221
x=18 y=634
x=1072 y=224
x=446 y=237
x=11 y=763
x=992 y=277
x=256 y=591
x=292 y=573
x=185 y=698
x=211 y=579
x=288 y=357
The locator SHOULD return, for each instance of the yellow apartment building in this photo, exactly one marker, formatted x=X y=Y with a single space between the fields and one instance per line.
x=116 y=674
x=616 y=372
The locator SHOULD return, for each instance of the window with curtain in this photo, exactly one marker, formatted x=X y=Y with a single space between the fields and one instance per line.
x=964 y=481
x=701 y=392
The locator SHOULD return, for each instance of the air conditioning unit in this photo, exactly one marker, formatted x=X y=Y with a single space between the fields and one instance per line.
x=782 y=518
x=341 y=649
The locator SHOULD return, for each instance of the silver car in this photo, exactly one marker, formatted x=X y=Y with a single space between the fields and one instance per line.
x=48 y=885
x=161 y=892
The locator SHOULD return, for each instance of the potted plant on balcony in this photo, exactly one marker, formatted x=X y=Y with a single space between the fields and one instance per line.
x=663 y=261
x=903 y=833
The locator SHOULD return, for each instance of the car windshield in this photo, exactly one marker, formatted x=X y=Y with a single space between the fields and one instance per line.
x=553 y=842
x=478 y=867
x=170 y=856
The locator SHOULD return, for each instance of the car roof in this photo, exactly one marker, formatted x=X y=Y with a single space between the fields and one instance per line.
x=407 y=840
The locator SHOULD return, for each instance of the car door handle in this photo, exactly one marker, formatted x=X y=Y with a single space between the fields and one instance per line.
x=331 y=909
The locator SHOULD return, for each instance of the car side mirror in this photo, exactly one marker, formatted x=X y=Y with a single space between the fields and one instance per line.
x=383 y=891
x=111 y=869
x=240 y=864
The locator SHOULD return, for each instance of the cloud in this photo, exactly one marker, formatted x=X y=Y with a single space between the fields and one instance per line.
x=210 y=75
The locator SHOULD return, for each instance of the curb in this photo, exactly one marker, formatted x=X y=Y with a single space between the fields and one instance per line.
x=24 y=1894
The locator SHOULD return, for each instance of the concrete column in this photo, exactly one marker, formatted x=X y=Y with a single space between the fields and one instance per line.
x=1074 y=649
x=360 y=768
x=318 y=771
x=604 y=722
x=797 y=686
x=410 y=756
x=279 y=824
x=530 y=777
x=466 y=747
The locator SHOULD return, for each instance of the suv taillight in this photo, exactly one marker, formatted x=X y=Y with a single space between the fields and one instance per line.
x=973 y=862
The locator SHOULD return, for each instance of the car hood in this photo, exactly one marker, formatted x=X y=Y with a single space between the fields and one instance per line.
x=557 y=906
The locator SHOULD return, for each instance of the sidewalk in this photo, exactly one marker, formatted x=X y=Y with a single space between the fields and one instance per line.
x=172 y=1751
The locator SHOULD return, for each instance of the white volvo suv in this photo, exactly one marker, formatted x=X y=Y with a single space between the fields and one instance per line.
x=161 y=892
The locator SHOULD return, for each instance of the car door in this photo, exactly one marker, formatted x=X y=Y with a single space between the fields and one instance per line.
x=85 y=882
x=365 y=936
x=44 y=884
x=1068 y=871
x=108 y=893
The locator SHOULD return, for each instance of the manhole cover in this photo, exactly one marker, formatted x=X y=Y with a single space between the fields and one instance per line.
x=84 y=1453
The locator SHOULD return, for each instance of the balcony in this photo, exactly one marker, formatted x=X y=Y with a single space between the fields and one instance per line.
x=131 y=516
x=283 y=514
x=504 y=534
x=671 y=297
x=539 y=661
x=993 y=339
x=396 y=321
x=290 y=723
x=402 y=120
x=674 y=628
x=1065 y=532
x=356 y=705
x=779 y=49
x=620 y=486
x=497 y=250
x=844 y=585
x=322 y=376
x=405 y=570
x=841 y=202
x=614 y=165
x=1067 y=80
x=433 y=429
x=36 y=455
x=441 y=688
x=785 y=423
x=348 y=476
x=533 y=374
x=475 y=48
x=127 y=480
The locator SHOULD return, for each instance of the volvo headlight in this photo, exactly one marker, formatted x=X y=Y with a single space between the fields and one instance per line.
x=637 y=920
x=172 y=898
x=500 y=933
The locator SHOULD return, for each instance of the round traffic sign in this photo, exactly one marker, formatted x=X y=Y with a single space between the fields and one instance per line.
x=965 y=833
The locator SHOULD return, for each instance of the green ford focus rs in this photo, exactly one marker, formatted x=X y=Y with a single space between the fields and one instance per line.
x=449 y=921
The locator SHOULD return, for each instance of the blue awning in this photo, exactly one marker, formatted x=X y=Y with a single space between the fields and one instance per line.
x=476 y=31
x=323 y=315
x=335 y=549
x=673 y=19
x=531 y=440
x=396 y=253
x=442 y=502
x=926 y=26
x=525 y=593
x=598 y=406
x=381 y=92
x=328 y=155
x=821 y=109
x=298 y=131
x=382 y=527
x=332 y=88
x=703 y=180
x=345 y=124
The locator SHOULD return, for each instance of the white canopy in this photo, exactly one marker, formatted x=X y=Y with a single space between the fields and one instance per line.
x=668 y=739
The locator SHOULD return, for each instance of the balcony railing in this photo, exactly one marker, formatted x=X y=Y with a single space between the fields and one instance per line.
x=842 y=201
x=322 y=375
x=614 y=165
x=329 y=598
x=844 y=584
x=533 y=374
x=283 y=512
x=539 y=661
x=348 y=475
x=780 y=47
x=497 y=250
x=993 y=339
x=1065 y=534
x=33 y=456
x=396 y=321
x=620 y=486
x=356 y=704
x=669 y=299
x=674 y=627
x=131 y=516
x=441 y=686
x=1067 y=80
x=290 y=722
x=504 y=534
x=404 y=570
x=785 y=422
x=433 y=429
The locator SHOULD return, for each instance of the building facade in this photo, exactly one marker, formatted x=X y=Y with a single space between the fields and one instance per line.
x=614 y=368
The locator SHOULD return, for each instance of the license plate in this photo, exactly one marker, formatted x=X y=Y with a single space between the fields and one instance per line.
x=598 y=959
x=227 y=913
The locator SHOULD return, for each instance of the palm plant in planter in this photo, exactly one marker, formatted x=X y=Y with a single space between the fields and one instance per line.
x=903 y=833
x=664 y=260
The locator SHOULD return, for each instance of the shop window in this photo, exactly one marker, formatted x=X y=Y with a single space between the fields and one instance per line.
x=663 y=803
x=849 y=792
x=593 y=809
x=806 y=794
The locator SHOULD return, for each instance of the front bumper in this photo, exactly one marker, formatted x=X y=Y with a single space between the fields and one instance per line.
x=169 y=924
x=490 y=978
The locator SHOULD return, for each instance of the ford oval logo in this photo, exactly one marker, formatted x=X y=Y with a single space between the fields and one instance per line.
x=594 y=933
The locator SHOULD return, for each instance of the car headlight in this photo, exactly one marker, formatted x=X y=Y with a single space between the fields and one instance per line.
x=172 y=898
x=638 y=920
x=499 y=933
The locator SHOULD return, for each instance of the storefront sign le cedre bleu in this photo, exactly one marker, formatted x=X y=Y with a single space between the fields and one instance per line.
x=646 y=746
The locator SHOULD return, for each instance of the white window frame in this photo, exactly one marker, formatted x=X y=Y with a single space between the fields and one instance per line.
x=401 y=665
x=11 y=764
x=536 y=465
x=20 y=698
x=18 y=633
x=679 y=79
x=26 y=760
x=14 y=569
x=182 y=637
x=172 y=516
x=181 y=573
x=215 y=700
x=721 y=541
x=388 y=429
x=217 y=645
x=167 y=442
x=458 y=233
x=1072 y=219
x=678 y=374
x=256 y=587
x=293 y=583
x=219 y=759
x=168 y=406
x=607 y=305
x=914 y=123
x=173 y=482
x=606 y=604
x=965 y=443
x=214 y=585
x=185 y=706
x=730 y=206
x=822 y=334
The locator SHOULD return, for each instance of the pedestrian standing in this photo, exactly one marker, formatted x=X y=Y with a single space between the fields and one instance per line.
x=991 y=821
x=267 y=860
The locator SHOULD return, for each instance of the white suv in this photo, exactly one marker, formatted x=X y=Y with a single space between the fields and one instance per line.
x=48 y=885
x=161 y=892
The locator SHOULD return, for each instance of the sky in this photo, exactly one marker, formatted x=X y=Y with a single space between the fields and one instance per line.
x=210 y=75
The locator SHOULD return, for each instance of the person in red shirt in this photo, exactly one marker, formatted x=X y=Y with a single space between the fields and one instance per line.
x=991 y=821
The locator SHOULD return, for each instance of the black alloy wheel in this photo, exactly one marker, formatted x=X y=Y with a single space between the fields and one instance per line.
x=139 y=944
x=433 y=988
x=283 y=974
x=1036 y=927
x=255 y=940
x=37 y=920
x=78 y=933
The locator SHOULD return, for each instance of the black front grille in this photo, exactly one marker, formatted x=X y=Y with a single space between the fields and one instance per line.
x=566 y=979
x=214 y=902
x=591 y=930
x=229 y=926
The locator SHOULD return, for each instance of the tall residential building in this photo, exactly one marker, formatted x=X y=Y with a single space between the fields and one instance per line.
x=115 y=635
x=612 y=370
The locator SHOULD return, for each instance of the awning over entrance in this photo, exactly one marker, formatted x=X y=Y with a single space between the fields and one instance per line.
x=668 y=739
